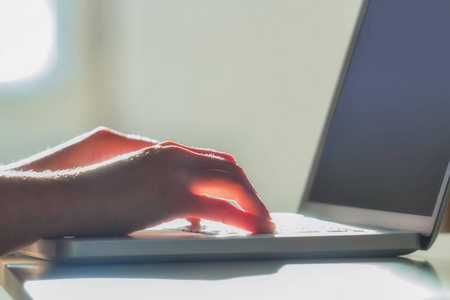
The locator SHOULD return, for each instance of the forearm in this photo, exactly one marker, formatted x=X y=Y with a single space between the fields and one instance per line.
x=37 y=205
x=26 y=204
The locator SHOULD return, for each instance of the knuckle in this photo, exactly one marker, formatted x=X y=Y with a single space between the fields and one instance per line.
x=102 y=130
x=172 y=151
x=168 y=143
x=237 y=168
x=101 y=133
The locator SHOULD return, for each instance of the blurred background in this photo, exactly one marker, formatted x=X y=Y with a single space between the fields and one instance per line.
x=254 y=78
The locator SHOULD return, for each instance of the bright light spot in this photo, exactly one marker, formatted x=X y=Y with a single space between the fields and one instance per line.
x=27 y=38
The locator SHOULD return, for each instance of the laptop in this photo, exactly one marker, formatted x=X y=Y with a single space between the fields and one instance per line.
x=379 y=183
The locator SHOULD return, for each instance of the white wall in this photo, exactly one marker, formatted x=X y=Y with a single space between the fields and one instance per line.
x=35 y=114
x=250 y=77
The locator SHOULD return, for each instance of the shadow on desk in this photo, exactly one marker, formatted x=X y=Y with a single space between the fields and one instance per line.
x=301 y=273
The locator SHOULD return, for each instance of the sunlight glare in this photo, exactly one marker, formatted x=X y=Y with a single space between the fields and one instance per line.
x=27 y=38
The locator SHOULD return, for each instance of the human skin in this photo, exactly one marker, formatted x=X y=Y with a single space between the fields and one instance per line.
x=105 y=183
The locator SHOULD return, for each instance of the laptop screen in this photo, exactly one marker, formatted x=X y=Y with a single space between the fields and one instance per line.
x=388 y=143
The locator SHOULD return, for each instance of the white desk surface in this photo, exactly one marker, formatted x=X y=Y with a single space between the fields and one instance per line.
x=421 y=275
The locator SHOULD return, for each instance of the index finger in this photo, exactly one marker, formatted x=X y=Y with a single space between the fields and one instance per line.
x=203 y=207
x=229 y=186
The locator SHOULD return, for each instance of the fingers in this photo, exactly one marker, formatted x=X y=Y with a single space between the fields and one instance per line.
x=199 y=161
x=229 y=186
x=203 y=177
x=221 y=211
x=193 y=221
x=223 y=155
x=216 y=177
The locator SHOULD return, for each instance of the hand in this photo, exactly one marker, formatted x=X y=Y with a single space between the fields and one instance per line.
x=164 y=182
x=99 y=145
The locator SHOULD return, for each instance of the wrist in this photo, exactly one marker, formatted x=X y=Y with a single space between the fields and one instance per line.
x=28 y=204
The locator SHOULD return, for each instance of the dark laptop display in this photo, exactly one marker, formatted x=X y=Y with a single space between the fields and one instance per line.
x=388 y=144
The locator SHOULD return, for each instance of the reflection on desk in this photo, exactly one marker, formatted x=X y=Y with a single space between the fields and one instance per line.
x=422 y=275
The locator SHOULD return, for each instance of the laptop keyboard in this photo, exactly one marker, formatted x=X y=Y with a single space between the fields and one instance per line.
x=286 y=224
x=205 y=230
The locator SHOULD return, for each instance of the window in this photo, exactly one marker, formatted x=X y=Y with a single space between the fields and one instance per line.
x=27 y=38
